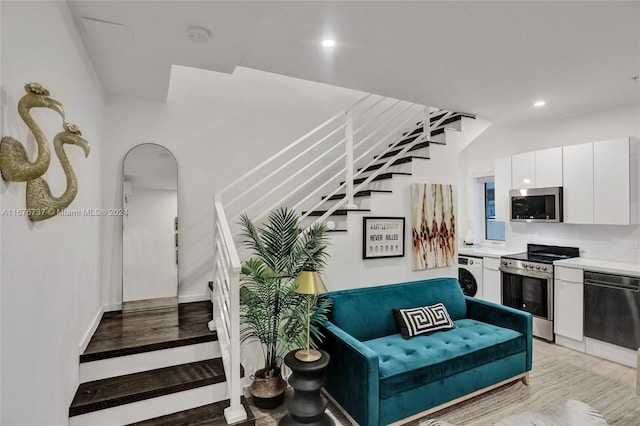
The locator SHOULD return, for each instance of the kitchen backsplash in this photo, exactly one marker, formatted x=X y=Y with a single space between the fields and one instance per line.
x=611 y=242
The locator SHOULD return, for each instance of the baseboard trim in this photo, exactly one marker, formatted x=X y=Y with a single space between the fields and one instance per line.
x=193 y=298
x=113 y=307
x=86 y=338
x=181 y=299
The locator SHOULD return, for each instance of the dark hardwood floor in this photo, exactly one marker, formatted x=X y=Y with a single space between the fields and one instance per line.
x=124 y=334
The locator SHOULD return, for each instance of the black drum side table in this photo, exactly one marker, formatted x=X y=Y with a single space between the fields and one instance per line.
x=307 y=406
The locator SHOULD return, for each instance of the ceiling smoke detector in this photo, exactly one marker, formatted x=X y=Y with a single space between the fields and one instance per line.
x=198 y=34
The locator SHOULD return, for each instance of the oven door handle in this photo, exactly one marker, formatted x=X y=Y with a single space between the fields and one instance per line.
x=525 y=272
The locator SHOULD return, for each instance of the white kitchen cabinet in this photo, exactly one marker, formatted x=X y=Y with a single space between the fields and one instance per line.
x=523 y=170
x=548 y=167
x=537 y=169
x=491 y=280
x=615 y=181
x=502 y=179
x=568 y=307
x=577 y=177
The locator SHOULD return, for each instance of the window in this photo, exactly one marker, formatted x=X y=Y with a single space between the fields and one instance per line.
x=492 y=230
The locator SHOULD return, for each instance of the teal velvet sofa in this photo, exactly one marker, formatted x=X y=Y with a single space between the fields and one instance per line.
x=378 y=377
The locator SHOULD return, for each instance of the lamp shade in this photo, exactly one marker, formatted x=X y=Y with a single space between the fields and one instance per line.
x=309 y=282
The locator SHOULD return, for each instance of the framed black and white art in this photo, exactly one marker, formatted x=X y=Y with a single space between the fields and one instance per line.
x=382 y=237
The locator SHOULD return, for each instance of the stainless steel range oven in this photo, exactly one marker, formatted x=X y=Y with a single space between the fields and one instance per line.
x=527 y=283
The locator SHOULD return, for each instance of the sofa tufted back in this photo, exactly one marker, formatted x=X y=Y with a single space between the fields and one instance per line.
x=366 y=313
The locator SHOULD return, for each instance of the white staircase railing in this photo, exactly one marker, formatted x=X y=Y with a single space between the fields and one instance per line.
x=293 y=177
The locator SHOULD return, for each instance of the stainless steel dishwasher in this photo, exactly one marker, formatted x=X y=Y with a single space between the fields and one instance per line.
x=612 y=309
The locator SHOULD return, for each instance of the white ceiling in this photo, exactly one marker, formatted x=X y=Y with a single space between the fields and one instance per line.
x=493 y=59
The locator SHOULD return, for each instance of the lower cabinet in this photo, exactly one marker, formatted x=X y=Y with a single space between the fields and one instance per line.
x=491 y=280
x=568 y=307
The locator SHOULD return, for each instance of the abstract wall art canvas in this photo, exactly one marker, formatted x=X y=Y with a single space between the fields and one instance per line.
x=433 y=226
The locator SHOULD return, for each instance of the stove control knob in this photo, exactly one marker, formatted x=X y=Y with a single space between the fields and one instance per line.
x=503 y=262
x=544 y=268
x=537 y=266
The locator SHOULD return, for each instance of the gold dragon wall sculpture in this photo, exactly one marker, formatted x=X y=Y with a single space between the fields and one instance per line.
x=15 y=165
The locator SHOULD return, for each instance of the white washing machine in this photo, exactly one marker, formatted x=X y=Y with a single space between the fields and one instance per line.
x=470 y=275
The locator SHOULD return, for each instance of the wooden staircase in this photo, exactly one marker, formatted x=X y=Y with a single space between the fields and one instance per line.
x=157 y=367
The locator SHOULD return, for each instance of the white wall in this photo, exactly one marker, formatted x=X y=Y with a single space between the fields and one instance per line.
x=610 y=242
x=218 y=126
x=50 y=270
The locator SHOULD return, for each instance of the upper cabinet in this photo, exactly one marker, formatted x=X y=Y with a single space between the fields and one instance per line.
x=537 y=169
x=523 y=170
x=601 y=183
x=615 y=181
x=600 y=180
x=502 y=187
x=549 y=167
x=577 y=175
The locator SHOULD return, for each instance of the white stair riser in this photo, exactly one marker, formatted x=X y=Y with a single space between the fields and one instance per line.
x=118 y=366
x=398 y=168
x=154 y=407
x=422 y=152
x=361 y=202
x=382 y=185
x=340 y=222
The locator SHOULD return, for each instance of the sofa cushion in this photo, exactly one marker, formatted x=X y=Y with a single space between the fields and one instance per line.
x=421 y=320
x=405 y=364
x=365 y=313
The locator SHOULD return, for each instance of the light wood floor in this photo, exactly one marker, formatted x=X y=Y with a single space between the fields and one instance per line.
x=620 y=373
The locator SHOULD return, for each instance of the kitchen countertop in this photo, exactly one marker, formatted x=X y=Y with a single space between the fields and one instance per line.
x=601 y=265
x=487 y=251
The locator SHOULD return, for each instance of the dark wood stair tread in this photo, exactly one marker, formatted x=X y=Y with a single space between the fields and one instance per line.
x=359 y=194
x=415 y=147
x=399 y=161
x=338 y=212
x=206 y=415
x=121 y=334
x=457 y=116
x=381 y=176
x=116 y=391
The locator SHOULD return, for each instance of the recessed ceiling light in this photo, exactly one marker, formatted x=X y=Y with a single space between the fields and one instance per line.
x=539 y=104
x=328 y=43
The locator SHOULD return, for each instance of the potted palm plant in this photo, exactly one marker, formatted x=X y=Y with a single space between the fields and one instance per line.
x=271 y=312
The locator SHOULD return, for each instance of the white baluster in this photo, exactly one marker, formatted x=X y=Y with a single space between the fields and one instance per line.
x=349 y=160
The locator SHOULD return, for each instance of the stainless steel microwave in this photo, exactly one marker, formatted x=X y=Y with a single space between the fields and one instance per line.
x=536 y=204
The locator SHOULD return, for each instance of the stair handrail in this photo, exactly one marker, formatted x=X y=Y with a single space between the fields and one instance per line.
x=288 y=148
x=327 y=167
x=386 y=165
x=345 y=183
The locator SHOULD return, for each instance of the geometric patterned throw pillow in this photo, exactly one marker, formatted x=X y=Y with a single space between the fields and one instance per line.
x=425 y=319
